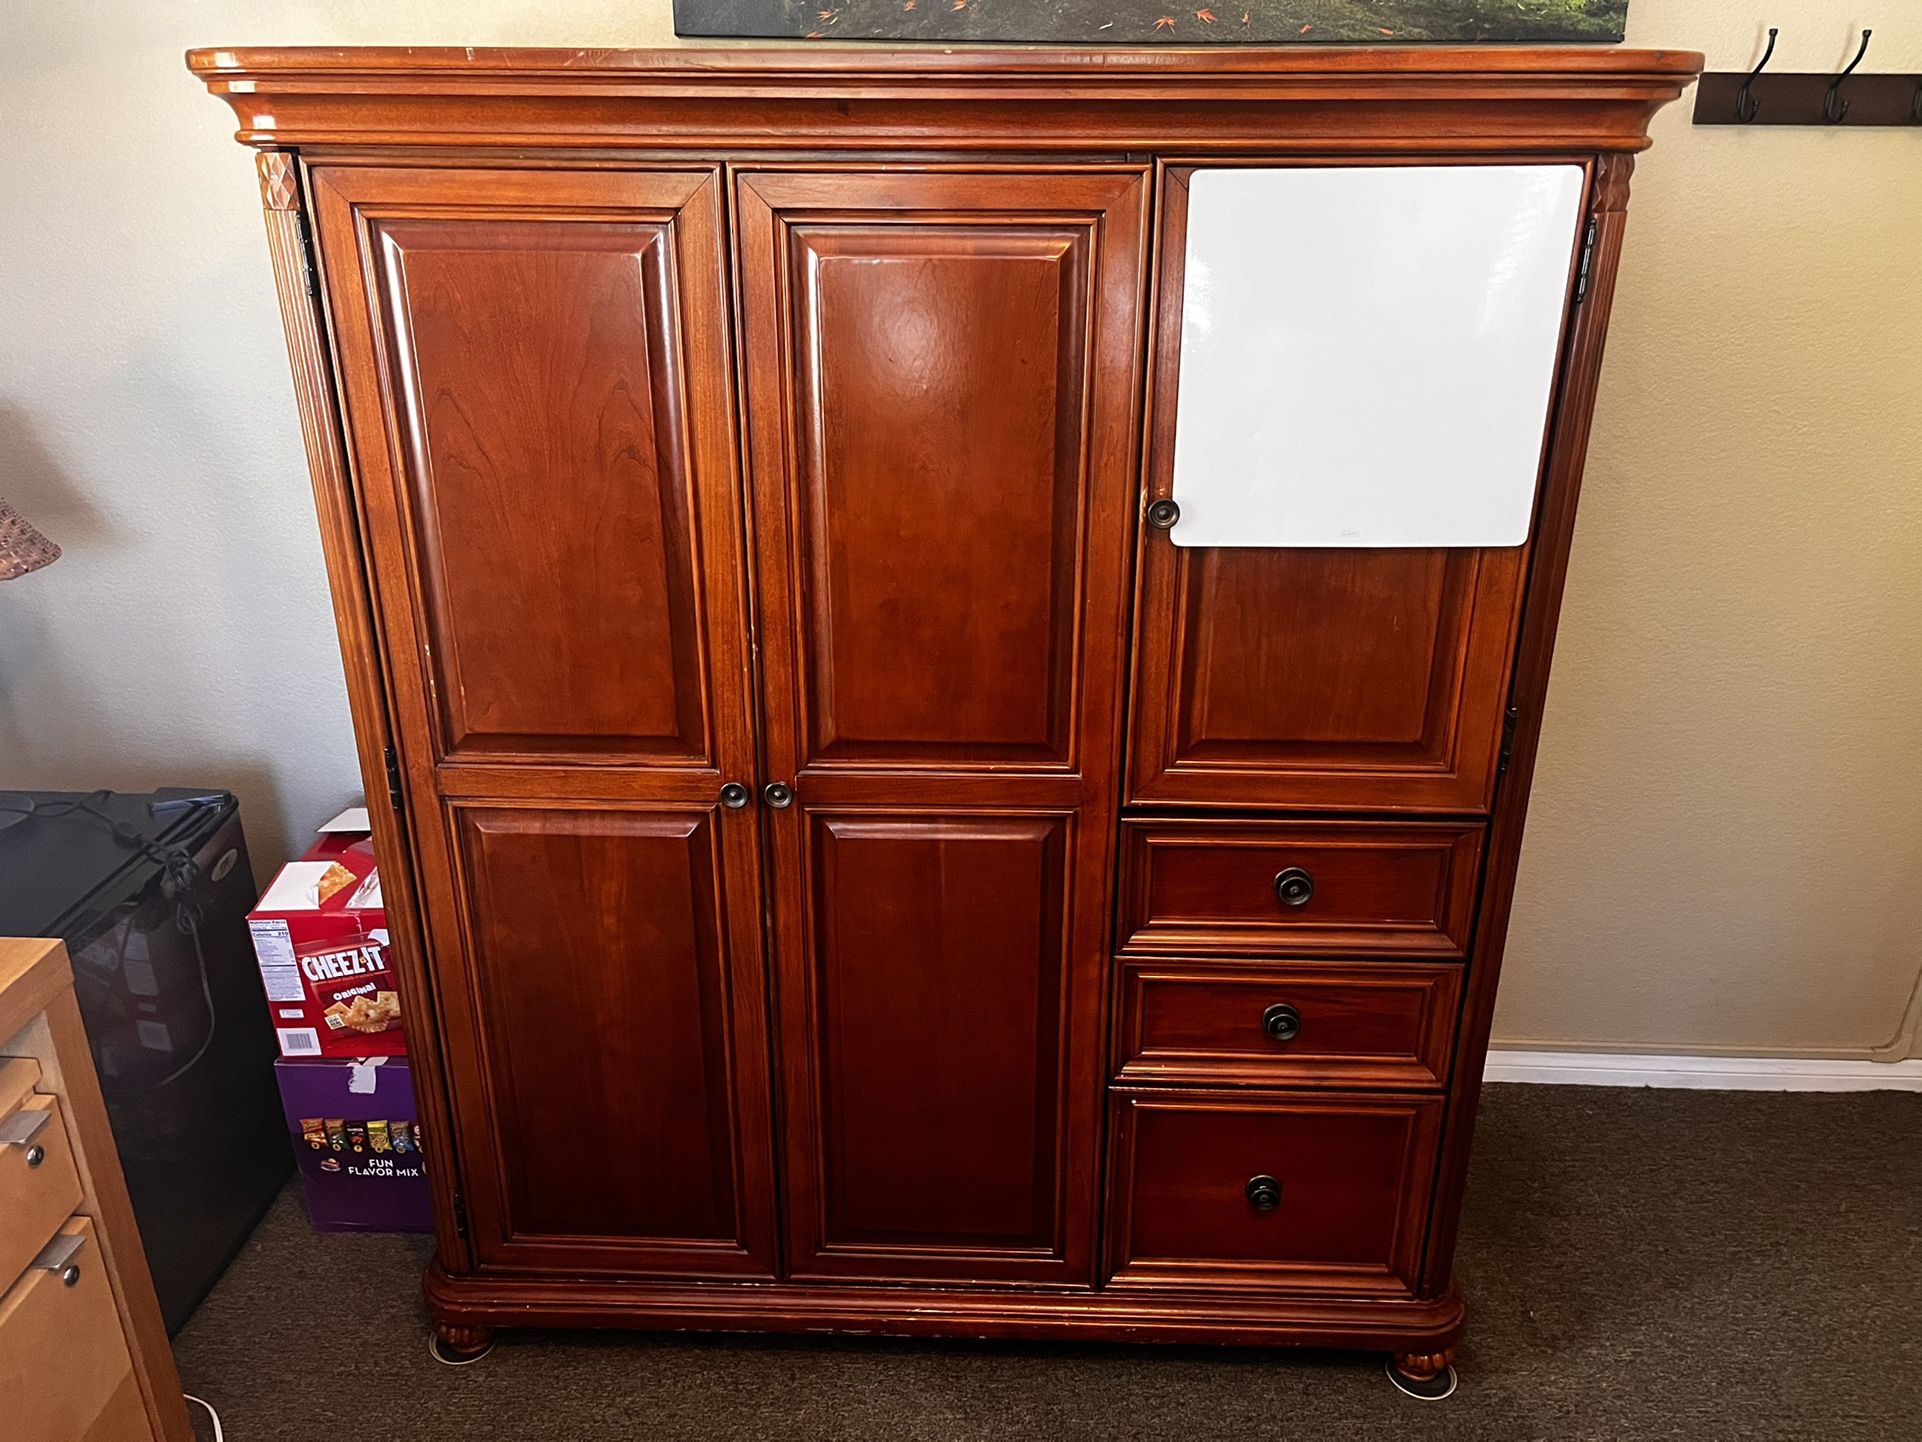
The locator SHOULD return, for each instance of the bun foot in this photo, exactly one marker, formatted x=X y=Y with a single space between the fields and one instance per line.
x=1429 y=1376
x=457 y=1345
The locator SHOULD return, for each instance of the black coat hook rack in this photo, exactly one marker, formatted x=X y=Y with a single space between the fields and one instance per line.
x=1778 y=97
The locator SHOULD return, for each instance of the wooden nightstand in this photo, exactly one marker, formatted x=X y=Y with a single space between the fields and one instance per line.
x=83 y=1353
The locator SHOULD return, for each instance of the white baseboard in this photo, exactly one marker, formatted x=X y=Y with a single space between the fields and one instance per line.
x=1711 y=1073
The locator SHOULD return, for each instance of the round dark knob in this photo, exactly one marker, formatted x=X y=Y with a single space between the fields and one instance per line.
x=71 y=1276
x=1264 y=1193
x=1281 y=1021
x=1162 y=515
x=1294 y=886
x=778 y=794
x=36 y=1155
x=734 y=796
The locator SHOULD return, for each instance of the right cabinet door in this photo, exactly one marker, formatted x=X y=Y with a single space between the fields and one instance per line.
x=1344 y=406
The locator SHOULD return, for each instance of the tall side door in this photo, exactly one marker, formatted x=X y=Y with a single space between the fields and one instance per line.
x=538 y=396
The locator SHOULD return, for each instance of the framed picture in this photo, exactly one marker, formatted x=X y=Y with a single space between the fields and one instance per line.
x=1135 y=22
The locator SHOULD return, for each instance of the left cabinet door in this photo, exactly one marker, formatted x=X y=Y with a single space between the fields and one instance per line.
x=538 y=397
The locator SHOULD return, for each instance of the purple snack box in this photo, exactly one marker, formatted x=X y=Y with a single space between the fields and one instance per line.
x=363 y=1174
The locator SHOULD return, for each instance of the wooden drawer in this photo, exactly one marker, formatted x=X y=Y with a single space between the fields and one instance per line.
x=1350 y=1179
x=1313 y=1193
x=39 y=1185
x=65 y=1372
x=1298 y=887
x=1387 y=1024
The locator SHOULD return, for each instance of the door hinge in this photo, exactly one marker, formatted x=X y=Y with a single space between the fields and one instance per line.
x=1508 y=738
x=460 y=1216
x=310 y=268
x=393 y=779
x=1586 y=263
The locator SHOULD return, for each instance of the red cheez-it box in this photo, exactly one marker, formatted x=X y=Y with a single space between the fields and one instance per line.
x=320 y=934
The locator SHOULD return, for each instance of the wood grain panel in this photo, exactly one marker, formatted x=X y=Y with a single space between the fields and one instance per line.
x=535 y=365
x=39 y=1186
x=539 y=405
x=1209 y=887
x=621 y=1039
x=1289 y=677
x=1353 y=1172
x=940 y=498
x=939 y=974
x=64 y=1363
x=1359 y=1024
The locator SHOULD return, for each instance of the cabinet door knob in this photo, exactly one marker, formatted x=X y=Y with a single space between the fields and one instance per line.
x=778 y=794
x=1281 y=1021
x=734 y=796
x=1163 y=514
x=1264 y=1193
x=1294 y=886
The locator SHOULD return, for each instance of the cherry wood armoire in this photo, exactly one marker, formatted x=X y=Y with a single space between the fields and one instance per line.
x=851 y=865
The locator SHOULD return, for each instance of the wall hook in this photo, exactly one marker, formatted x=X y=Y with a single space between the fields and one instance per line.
x=1834 y=107
x=1745 y=106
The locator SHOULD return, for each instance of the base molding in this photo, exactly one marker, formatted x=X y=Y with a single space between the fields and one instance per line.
x=471 y=1305
x=1708 y=1073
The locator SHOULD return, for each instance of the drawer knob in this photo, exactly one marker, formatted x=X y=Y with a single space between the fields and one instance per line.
x=1264 y=1193
x=36 y=1155
x=1294 y=886
x=71 y=1276
x=734 y=796
x=1282 y=1022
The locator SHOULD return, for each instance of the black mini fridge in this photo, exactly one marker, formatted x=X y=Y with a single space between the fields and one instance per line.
x=151 y=894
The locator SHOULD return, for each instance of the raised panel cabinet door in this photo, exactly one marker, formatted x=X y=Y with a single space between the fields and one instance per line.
x=537 y=383
x=940 y=376
x=1307 y=677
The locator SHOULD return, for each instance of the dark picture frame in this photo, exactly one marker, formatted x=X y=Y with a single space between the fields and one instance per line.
x=1134 y=22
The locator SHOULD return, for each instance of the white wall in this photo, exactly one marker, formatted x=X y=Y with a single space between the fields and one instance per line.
x=1726 y=843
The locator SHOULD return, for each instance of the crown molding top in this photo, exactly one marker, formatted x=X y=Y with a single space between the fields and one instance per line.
x=995 y=99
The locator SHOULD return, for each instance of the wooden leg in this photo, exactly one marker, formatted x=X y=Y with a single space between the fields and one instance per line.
x=1424 y=1366
x=1424 y=1375
x=463 y=1343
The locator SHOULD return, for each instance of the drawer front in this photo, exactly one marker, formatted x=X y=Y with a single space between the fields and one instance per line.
x=1299 y=887
x=39 y=1186
x=1324 y=1193
x=1361 y=1024
x=65 y=1372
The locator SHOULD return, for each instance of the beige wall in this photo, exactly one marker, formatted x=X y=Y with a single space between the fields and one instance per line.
x=1726 y=843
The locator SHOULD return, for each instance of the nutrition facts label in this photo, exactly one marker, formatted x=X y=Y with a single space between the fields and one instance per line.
x=274 y=945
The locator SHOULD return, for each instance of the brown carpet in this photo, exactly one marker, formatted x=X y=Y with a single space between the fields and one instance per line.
x=1638 y=1264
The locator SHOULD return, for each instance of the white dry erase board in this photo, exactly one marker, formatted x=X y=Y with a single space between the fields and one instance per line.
x=1367 y=352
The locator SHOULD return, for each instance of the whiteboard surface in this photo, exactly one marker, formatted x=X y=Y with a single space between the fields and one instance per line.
x=1367 y=352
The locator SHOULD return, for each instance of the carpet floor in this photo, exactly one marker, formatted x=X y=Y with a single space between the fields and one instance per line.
x=1638 y=1264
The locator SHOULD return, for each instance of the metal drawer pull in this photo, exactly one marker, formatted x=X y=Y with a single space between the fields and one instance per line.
x=58 y=1256
x=1264 y=1193
x=1282 y=1022
x=1294 y=886
x=21 y=1128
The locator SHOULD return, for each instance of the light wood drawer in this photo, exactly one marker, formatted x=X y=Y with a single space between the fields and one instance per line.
x=1322 y=1192
x=39 y=1185
x=1375 y=1024
x=1299 y=887
x=65 y=1372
